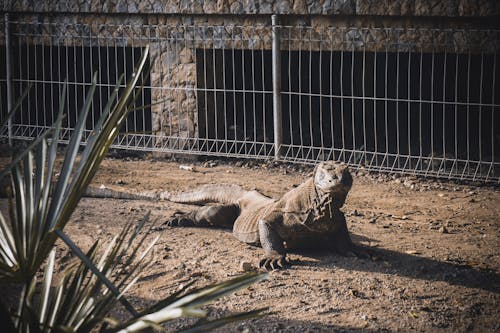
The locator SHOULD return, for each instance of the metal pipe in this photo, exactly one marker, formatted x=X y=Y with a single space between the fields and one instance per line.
x=276 y=54
x=8 y=65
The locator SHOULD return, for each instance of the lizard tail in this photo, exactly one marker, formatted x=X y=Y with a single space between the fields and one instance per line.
x=92 y=192
x=208 y=194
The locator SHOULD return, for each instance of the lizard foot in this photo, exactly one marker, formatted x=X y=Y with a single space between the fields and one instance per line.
x=274 y=262
x=180 y=219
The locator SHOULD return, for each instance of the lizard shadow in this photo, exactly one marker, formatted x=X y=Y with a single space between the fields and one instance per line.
x=413 y=266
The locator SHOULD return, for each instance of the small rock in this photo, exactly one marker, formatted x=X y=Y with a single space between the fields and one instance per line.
x=408 y=183
x=186 y=167
x=246 y=266
x=120 y=182
x=356 y=213
x=210 y=164
x=443 y=230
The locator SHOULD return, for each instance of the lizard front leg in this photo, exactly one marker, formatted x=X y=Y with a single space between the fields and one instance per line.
x=272 y=244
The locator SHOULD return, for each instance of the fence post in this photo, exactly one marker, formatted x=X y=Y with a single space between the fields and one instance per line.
x=276 y=54
x=8 y=73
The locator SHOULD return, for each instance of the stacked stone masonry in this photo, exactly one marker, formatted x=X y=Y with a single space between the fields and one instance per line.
x=463 y=8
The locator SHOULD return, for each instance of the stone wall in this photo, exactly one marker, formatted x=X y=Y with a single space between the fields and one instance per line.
x=242 y=24
x=458 y=8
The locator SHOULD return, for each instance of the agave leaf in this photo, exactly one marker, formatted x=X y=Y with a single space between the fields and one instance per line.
x=47 y=280
x=24 y=220
x=28 y=172
x=55 y=128
x=147 y=106
x=132 y=239
x=91 y=313
x=57 y=301
x=41 y=198
x=77 y=288
x=5 y=171
x=136 y=269
x=139 y=265
x=66 y=329
x=151 y=324
x=159 y=317
x=207 y=294
x=40 y=175
x=17 y=105
x=170 y=299
x=6 y=320
x=189 y=305
x=20 y=215
x=105 y=256
x=7 y=243
x=206 y=326
x=76 y=250
x=27 y=318
x=102 y=144
x=85 y=172
x=79 y=298
x=98 y=126
x=71 y=153
x=110 y=263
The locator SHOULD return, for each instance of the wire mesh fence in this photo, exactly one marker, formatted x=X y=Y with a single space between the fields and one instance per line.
x=412 y=100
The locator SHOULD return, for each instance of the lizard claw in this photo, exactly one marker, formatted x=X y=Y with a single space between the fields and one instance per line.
x=273 y=263
x=179 y=219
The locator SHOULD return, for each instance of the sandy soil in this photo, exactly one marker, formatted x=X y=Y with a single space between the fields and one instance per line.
x=434 y=267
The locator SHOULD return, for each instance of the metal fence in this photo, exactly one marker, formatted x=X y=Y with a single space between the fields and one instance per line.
x=416 y=101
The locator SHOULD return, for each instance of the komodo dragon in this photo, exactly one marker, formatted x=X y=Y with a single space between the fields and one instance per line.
x=306 y=216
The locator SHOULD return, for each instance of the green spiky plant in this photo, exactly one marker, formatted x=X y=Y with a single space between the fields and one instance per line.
x=38 y=210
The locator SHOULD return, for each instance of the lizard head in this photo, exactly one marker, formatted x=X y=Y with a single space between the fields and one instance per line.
x=333 y=178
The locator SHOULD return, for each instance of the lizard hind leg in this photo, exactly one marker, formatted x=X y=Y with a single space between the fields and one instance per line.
x=207 y=216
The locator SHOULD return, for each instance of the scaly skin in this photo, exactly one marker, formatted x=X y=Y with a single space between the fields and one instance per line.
x=307 y=216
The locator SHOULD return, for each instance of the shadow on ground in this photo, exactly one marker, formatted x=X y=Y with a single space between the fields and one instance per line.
x=412 y=266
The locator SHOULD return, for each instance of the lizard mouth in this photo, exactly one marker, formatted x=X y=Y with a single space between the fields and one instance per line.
x=336 y=189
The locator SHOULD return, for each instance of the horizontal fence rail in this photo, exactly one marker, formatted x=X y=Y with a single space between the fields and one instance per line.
x=411 y=100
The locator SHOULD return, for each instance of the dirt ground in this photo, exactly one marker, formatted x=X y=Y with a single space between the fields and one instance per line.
x=435 y=260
